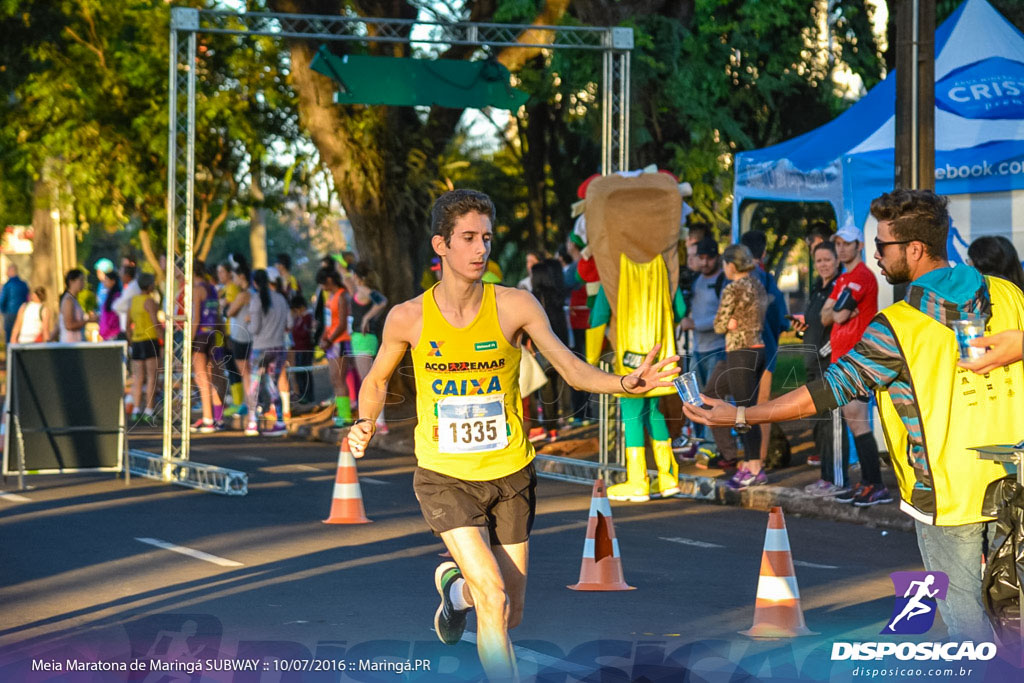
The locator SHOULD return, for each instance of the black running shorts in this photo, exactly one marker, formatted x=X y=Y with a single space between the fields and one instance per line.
x=505 y=506
x=144 y=350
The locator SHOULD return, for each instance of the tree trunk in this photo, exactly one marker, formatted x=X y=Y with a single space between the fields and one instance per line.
x=257 y=219
x=45 y=268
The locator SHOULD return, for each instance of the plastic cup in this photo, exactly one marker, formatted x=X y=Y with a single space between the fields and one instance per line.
x=966 y=330
x=688 y=388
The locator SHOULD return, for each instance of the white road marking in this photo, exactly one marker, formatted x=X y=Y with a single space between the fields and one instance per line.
x=14 y=497
x=371 y=480
x=191 y=552
x=811 y=565
x=252 y=458
x=307 y=468
x=690 y=541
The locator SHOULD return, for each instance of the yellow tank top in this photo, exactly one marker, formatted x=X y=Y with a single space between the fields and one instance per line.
x=467 y=396
x=142 y=326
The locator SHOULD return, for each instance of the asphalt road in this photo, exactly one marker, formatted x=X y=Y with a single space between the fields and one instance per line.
x=277 y=585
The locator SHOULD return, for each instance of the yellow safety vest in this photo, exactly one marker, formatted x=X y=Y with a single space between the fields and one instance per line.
x=470 y=413
x=958 y=408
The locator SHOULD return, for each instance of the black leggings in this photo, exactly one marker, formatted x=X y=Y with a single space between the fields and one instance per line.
x=737 y=376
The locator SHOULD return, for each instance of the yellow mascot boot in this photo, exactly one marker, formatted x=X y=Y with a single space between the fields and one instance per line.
x=667 y=483
x=636 y=488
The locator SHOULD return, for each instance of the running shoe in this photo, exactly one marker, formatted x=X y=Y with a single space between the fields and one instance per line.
x=552 y=435
x=279 y=429
x=824 y=489
x=381 y=427
x=814 y=460
x=685 y=448
x=196 y=426
x=212 y=427
x=872 y=495
x=744 y=479
x=449 y=623
x=251 y=429
x=233 y=410
x=851 y=494
x=707 y=459
x=537 y=434
x=341 y=422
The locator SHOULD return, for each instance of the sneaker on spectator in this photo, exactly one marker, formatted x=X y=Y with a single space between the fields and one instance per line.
x=872 y=495
x=814 y=460
x=381 y=427
x=538 y=434
x=851 y=494
x=251 y=429
x=685 y=448
x=196 y=426
x=707 y=459
x=744 y=479
x=553 y=435
x=279 y=429
x=818 y=488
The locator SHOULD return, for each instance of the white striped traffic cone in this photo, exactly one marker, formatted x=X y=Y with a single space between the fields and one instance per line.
x=347 y=504
x=601 y=569
x=777 y=612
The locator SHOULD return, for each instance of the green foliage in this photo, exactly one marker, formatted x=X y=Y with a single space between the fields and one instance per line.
x=89 y=111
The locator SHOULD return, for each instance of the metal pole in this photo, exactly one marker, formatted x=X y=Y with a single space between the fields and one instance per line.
x=914 y=95
x=606 y=112
x=624 y=111
x=187 y=228
x=168 y=304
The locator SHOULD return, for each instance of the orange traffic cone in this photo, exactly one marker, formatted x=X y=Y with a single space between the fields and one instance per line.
x=777 y=612
x=601 y=569
x=347 y=505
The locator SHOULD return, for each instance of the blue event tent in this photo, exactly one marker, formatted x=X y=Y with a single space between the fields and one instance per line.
x=979 y=138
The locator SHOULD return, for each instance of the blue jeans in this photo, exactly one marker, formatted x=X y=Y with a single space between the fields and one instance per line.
x=704 y=363
x=956 y=550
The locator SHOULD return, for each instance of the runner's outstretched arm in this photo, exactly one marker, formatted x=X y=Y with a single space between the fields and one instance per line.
x=374 y=391
x=583 y=376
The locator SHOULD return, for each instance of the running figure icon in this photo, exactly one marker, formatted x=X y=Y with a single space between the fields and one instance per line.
x=915 y=607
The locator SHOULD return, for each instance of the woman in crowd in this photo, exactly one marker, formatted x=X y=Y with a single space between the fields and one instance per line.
x=206 y=336
x=740 y=318
x=144 y=332
x=366 y=308
x=547 y=282
x=829 y=429
x=996 y=255
x=268 y=324
x=72 y=319
x=110 y=323
x=239 y=337
x=35 y=321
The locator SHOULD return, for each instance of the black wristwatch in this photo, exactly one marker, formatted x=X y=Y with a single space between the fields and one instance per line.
x=741 y=425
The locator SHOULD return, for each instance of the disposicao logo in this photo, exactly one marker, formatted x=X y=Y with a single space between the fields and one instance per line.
x=917 y=596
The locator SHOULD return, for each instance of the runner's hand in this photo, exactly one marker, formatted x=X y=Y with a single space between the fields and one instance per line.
x=359 y=437
x=649 y=376
x=1005 y=349
x=721 y=414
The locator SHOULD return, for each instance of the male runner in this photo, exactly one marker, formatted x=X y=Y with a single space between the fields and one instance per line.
x=475 y=480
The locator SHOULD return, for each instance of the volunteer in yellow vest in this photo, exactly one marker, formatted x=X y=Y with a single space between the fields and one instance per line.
x=933 y=409
x=475 y=480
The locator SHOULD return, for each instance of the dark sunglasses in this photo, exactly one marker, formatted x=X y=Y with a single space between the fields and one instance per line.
x=880 y=245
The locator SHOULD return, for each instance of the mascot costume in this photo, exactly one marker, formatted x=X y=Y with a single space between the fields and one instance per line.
x=631 y=222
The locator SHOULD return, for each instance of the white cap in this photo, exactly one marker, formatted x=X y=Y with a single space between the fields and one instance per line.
x=850 y=233
x=273 y=273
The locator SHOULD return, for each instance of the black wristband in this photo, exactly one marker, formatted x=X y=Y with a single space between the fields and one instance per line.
x=622 y=383
x=362 y=419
